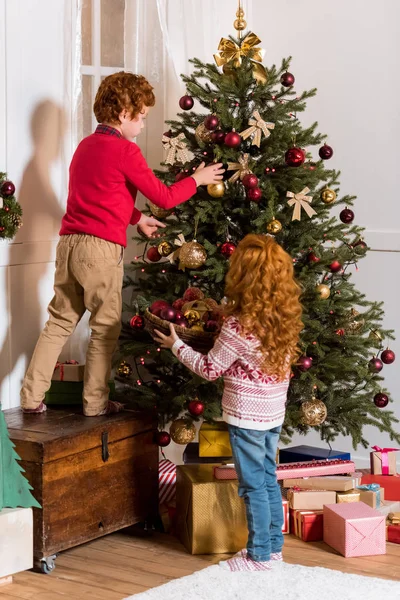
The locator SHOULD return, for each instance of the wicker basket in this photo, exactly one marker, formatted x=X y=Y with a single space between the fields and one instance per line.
x=202 y=341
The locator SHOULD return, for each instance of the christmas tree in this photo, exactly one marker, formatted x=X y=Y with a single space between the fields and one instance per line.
x=14 y=488
x=273 y=184
x=10 y=210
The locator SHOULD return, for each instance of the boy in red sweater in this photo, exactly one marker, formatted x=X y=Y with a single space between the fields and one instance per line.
x=106 y=172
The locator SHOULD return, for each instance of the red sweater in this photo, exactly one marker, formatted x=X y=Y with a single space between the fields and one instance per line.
x=105 y=174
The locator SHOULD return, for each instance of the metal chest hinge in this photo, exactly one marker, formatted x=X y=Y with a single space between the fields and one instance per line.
x=105 y=455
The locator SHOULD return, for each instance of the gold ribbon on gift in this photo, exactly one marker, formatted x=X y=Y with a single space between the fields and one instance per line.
x=257 y=126
x=176 y=149
x=299 y=201
x=242 y=168
x=229 y=52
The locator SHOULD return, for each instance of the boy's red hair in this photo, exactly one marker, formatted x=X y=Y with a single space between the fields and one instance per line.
x=122 y=91
x=264 y=295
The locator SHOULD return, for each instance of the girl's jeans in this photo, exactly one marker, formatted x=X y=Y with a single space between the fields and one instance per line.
x=254 y=455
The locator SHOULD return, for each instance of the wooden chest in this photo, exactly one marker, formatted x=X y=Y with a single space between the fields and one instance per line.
x=92 y=476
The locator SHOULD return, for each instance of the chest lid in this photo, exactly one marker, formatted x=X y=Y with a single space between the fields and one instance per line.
x=59 y=433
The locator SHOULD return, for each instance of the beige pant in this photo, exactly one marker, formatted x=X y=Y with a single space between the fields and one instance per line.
x=88 y=276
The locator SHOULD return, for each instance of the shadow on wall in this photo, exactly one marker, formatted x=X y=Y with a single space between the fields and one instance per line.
x=41 y=222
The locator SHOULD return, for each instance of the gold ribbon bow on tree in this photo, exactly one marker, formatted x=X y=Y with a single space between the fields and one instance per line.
x=176 y=149
x=300 y=200
x=242 y=168
x=229 y=52
x=257 y=126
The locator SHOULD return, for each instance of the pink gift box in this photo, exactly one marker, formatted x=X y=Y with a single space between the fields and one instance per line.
x=354 y=529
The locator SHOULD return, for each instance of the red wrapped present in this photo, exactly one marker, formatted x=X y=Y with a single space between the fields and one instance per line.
x=166 y=481
x=393 y=534
x=383 y=461
x=71 y=370
x=390 y=483
x=307 y=524
x=354 y=529
x=285 y=526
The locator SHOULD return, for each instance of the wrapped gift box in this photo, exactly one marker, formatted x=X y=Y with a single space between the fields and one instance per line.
x=210 y=516
x=354 y=529
x=383 y=462
x=166 y=481
x=214 y=440
x=336 y=484
x=303 y=453
x=70 y=392
x=307 y=524
x=390 y=483
x=285 y=526
x=372 y=494
x=68 y=371
x=313 y=468
x=393 y=534
x=191 y=456
x=310 y=499
x=16 y=535
x=349 y=496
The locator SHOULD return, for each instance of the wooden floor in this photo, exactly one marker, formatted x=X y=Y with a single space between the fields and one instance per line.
x=122 y=564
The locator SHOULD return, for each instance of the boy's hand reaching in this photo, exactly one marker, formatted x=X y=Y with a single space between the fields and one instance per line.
x=206 y=175
x=148 y=226
x=166 y=341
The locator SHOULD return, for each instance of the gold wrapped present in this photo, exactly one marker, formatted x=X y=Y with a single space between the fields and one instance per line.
x=349 y=496
x=214 y=440
x=210 y=516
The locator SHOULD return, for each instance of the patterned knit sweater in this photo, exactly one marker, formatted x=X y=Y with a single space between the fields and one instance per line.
x=252 y=399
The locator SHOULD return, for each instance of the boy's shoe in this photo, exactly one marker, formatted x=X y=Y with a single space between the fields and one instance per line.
x=39 y=409
x=242 y=563
x=112 y=408
x=277 y=556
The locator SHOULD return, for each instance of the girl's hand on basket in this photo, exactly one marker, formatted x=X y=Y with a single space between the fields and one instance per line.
x=166 y=341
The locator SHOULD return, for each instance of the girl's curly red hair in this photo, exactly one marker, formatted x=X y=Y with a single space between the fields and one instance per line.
x=121 y=91
x=263 y=294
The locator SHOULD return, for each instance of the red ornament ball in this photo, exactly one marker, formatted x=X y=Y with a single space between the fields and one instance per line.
x=254 y=194
x=153 y=254
x=375 y=365
x=346 y=216
x=287 y=79
x=168 y=313
x=211 y=122
x=304 y=363
x=218 y=137
x=181 y=321
x=312 y=257
x=227 y=249
x=211 y=326
x=196 y=408
x=156 y=307
x=232 y=140
x=339 y=332
x=193 y=293
x=178 y=304
x=163 y=438
x=295 y=157
x=325 y=152
x=335 y=266
x=168 y=133
x=186 y=102
x=361 y=245
x=388 y=356
x=250 y=181
x=137 y=322
x=381 y=400
x=7 y=189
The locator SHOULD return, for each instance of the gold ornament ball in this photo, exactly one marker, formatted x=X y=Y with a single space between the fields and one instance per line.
x=165 y=248
x=328 y=196
x=158 y=212
x=354 y=325
x=202 y=134
x=182 y=431
x=216 y=190
x=323 y=290
x=124 y=369
x=192 y=255
x=376 y=337
x=313 y=412
x=274 y=227
x=192 y=316
x=240 y=24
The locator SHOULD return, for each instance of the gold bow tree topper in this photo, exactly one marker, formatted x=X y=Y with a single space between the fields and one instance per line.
x=230 y=53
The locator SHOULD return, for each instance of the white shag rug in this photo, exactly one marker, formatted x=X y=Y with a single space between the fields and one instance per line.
x=289 y=582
